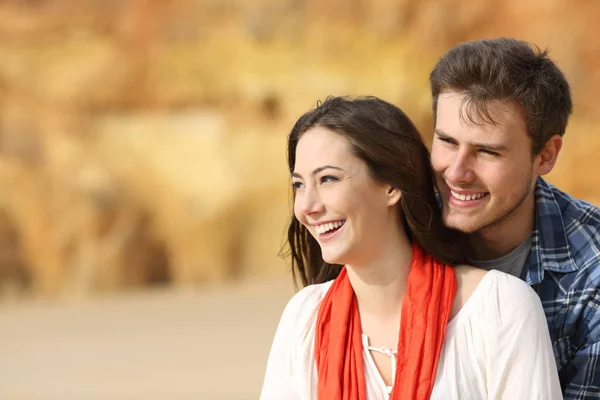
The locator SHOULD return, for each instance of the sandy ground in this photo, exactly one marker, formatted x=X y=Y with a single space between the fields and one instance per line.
x=151 y=345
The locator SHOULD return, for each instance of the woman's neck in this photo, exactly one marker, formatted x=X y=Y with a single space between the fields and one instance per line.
x=380 y=284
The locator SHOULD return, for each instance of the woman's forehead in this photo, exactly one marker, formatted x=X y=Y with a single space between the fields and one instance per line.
x=320 y=146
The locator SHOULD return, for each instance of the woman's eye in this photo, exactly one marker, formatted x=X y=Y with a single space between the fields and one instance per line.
x=328 y=178
x=296 y=185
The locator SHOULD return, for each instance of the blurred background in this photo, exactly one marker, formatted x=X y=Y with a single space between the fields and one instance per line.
x=144 y=193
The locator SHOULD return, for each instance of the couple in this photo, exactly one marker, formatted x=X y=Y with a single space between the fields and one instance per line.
x=393 y=306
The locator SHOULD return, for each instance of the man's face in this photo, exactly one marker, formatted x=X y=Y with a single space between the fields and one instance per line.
x=485 y=172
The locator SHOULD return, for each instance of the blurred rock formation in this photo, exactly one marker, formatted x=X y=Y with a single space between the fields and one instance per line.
x=143 y=142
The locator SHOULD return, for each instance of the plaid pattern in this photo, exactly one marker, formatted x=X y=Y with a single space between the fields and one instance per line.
x=564 y=269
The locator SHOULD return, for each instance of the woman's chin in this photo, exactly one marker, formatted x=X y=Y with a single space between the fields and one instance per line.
x=334 y=259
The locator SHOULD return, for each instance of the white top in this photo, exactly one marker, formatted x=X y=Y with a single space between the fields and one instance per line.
x=496 y=347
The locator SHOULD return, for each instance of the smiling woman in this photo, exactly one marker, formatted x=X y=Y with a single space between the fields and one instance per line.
x=343 y=141
x=389 y=311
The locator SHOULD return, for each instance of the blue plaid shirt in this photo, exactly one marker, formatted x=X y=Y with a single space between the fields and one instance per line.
x=564 y=269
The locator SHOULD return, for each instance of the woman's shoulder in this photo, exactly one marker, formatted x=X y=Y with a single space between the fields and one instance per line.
x=290 y=367
x=493 y=289
x=468 y=280
x=514 y=293
x=302 y=308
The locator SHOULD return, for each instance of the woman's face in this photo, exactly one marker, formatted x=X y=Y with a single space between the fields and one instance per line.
x=337 y=200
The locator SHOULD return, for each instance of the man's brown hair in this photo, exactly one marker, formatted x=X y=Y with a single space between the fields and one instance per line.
x=509 y=70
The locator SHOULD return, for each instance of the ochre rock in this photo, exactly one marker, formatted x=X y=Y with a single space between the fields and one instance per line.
x=144 y=142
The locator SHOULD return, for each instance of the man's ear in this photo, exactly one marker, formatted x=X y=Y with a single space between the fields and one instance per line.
x=548 y=155
x=393 y=195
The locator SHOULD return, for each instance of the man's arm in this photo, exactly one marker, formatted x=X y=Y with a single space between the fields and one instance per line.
x=580 y=378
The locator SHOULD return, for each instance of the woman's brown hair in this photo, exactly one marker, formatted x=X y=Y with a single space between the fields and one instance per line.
x=380 y=134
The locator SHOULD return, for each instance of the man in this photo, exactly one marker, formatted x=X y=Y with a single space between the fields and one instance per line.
x=500 y=109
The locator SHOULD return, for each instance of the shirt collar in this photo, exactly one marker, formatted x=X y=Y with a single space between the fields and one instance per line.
x=550 y=249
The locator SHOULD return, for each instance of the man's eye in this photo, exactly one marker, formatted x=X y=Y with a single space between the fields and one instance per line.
x=489 y=152
x=328 y=178
x=446 y=140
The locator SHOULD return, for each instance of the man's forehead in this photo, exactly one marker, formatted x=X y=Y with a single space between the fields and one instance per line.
x=478 y=111
x=458 y=114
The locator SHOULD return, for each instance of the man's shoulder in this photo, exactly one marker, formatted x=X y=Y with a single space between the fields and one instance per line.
x=577 y=215
x=578 y=222
x=576 y=210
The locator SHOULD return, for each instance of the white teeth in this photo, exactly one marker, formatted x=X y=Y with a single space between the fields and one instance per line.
x=466 y=197
x=323 y=228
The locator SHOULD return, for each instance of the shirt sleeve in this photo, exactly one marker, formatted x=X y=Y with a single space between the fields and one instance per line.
x=290 y=366
x=520 y=359
x=585 y=382
x=581 y=374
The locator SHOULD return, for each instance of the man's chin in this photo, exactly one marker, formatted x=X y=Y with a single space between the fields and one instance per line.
x=461 y=224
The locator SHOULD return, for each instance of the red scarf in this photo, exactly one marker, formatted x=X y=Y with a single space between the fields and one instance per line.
x=425 y=314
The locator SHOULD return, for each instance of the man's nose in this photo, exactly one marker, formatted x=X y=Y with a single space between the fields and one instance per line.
x=460 y=168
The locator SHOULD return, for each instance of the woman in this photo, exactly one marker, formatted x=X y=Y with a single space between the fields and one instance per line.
x=389 y=310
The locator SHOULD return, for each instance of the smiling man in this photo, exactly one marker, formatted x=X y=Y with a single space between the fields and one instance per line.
x=501 y=108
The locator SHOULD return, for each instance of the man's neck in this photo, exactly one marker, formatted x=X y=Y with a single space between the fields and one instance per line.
x=500 y=239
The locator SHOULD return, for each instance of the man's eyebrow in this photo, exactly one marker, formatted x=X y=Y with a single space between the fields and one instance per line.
x=483 y=146
x=317 y=170
x=491 y=146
